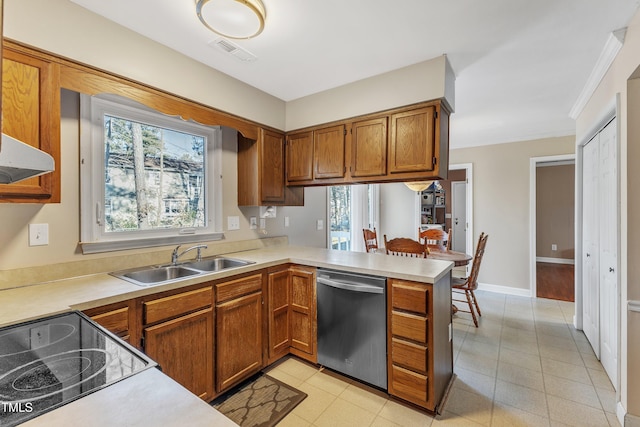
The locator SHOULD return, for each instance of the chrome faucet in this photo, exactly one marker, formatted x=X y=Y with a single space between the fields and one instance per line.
x=175 y=255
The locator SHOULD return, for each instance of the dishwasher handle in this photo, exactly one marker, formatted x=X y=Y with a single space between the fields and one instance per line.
x=350 y=286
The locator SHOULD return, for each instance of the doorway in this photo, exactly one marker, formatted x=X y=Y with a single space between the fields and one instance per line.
x=550 y=255
x=555 y=225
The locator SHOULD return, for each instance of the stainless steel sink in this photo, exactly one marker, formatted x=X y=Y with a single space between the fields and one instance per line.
x=149 y=276
x=216 y=264
x=157 y=275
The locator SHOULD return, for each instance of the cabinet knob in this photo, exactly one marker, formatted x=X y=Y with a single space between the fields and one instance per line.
x=611 y=270
x=588 y=255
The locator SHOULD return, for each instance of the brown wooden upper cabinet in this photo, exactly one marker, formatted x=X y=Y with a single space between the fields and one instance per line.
x=261 y=172
x=328 y=152
x=404 y=144
x=411 y=147
x=299 y=157
x=31 y=114
x=369 y=148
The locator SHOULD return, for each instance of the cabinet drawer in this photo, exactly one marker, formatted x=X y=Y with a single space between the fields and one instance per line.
x=409 y=385
x=409 y=326
x=236 y=288
x=175 y=305
x=409 y=296
x=409 y=355
x=115 y=321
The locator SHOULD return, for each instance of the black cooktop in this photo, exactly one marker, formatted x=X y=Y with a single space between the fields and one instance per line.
x=52 y=361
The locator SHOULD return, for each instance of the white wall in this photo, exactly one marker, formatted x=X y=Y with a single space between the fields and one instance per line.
x=616 y=81
x=397 y=212
x=424 y=81
x=501 y=206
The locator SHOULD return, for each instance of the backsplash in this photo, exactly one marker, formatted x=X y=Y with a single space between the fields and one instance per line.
x=20 y=277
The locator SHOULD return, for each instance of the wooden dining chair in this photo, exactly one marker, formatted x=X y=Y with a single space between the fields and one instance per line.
x=470 y=284
x=370 y=239
x=403 y=246
x=449 y=236
x=433 y=238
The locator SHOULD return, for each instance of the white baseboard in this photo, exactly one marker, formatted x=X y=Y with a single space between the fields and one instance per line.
x=568 y=261
x=505 y=290
x=625 y=419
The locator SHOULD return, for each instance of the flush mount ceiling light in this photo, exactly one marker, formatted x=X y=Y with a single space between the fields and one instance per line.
x=235 y=19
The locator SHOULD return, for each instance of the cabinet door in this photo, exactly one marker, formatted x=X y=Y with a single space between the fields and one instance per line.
x=369 y=148
x=238 y=340
x=278 y=300
x=412 y=146
x=300 y=157
x=303 y=311
x=31 y=114
x=328 y=152
x=183 y=348
x=119 y=319
x=271 y=167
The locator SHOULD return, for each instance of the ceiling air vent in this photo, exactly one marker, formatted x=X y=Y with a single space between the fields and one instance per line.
x=233 y=49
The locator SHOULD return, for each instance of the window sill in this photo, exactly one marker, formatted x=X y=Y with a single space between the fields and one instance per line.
x=120 y=245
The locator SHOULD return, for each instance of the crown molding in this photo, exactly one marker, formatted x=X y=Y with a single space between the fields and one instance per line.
x=608 y=54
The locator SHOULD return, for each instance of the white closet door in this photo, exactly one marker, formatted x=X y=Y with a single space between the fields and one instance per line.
x=590 y=234
x=608 y=244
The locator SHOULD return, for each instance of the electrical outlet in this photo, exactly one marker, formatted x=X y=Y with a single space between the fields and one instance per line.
x=319 y=224
x=286 y=221
x=233 y=223
x=38 y=234
x=39 y=336
x=263 y=223
x=554 y=247
x=253 y=223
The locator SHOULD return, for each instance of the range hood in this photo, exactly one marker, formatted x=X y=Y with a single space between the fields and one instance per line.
x=20 y=161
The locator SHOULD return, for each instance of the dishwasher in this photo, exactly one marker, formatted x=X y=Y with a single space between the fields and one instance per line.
x=352 y=325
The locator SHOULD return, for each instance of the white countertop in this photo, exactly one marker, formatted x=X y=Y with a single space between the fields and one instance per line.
x=81 y=293
x=146 y=399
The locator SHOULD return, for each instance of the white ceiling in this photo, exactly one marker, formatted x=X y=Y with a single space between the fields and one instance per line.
x=520 y=65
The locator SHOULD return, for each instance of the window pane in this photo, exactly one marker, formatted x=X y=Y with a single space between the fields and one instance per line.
x=154 y=177
x=340 y=217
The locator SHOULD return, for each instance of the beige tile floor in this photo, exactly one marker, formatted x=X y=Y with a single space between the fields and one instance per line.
x=524 y=366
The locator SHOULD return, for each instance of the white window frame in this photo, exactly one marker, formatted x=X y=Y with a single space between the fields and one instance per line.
x=92 y=172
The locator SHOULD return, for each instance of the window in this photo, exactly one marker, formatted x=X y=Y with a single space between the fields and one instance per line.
x=146 y=179
x=351 y=208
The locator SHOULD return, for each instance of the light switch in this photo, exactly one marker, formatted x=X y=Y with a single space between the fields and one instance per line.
x=286 y=221
x=38 y=234
x=319 y=224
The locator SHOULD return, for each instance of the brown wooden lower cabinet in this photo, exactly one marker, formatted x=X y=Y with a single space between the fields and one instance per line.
x=420 y=363
x=183 y=347
x=239 y=330
x=120 y=319
x=303 y=313
x=178 y=334
x=279 y=318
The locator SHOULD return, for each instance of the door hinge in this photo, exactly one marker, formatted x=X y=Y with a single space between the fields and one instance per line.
x=435 y=160
x=142 y=343
x=435 y=115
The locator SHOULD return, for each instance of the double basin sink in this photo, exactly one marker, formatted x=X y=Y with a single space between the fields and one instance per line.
x=160 y=274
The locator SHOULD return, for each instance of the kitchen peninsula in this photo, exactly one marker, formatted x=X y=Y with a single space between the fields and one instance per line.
x=418 y=313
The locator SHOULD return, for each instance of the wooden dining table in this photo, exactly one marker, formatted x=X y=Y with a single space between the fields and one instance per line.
x=442 y=253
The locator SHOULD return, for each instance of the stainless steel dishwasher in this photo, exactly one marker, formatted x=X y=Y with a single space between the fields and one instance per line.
x=352 y=325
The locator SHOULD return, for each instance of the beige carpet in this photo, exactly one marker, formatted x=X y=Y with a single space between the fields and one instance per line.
x=262 y=402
